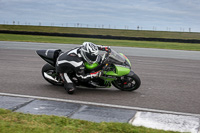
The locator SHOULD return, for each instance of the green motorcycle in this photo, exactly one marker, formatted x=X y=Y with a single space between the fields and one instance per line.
x=115 y=67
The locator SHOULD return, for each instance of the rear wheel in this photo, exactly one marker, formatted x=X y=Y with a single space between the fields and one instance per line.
x=50 y=75
x=129 y=82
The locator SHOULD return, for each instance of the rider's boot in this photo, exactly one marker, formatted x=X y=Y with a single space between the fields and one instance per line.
x=68 y=84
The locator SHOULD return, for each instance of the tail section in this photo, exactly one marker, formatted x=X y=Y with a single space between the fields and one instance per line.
x=49 y=55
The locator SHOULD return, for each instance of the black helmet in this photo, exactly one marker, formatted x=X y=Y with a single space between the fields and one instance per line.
x=90 y=52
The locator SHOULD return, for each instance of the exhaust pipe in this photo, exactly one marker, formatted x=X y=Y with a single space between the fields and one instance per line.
x=50 y=78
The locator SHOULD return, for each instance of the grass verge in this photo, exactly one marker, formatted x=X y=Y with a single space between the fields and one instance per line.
x=97 y=31
x=12 y=122
x=109 y=42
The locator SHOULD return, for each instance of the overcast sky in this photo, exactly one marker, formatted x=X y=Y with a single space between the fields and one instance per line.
x=173 y=15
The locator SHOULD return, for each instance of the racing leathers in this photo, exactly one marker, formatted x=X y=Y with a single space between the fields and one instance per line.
x=73 y=61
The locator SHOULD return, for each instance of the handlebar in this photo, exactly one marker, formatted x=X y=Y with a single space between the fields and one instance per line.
x=106 y=57
x=105 y=60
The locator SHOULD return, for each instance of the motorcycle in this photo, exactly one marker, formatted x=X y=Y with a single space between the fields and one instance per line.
x=115 y=67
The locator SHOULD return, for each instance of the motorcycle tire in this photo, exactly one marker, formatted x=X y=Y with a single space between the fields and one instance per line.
x=50 y=70
x=130 y=82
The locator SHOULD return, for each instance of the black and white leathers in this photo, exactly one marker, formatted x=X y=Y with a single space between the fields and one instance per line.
x=73 y=61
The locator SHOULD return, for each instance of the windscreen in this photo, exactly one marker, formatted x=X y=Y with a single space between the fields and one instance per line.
x=116 y=57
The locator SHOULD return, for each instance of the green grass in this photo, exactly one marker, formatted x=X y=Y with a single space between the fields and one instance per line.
x=12 y=122
x=112 y=32
x=109 y=42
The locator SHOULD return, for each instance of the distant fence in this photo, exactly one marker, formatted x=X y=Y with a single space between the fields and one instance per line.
x=101 y=36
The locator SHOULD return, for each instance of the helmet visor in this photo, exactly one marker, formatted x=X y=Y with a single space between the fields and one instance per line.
x=90 y=58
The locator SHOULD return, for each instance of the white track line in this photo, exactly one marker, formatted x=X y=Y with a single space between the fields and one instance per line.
x=100 y=104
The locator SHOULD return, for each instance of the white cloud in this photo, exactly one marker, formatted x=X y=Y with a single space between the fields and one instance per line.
x=163 y=13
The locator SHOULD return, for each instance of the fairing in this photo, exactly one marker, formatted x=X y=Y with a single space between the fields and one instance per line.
x=122 y=65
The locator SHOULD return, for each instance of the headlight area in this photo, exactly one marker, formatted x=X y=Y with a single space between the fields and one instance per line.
x=127 y=64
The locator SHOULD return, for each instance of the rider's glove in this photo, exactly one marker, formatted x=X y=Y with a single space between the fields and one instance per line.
x=96 y=74
x=108 y=49
x=105 y=48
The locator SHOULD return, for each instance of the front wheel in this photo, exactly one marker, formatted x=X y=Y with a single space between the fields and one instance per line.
x=129 y=82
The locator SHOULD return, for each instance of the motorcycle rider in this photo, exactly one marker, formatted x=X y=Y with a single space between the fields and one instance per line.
x=74 y=60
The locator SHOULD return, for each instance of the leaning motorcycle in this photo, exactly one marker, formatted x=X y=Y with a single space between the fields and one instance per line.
x=115 y=67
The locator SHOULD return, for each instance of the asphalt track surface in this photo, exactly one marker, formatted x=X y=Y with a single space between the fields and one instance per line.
x=168 y=83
